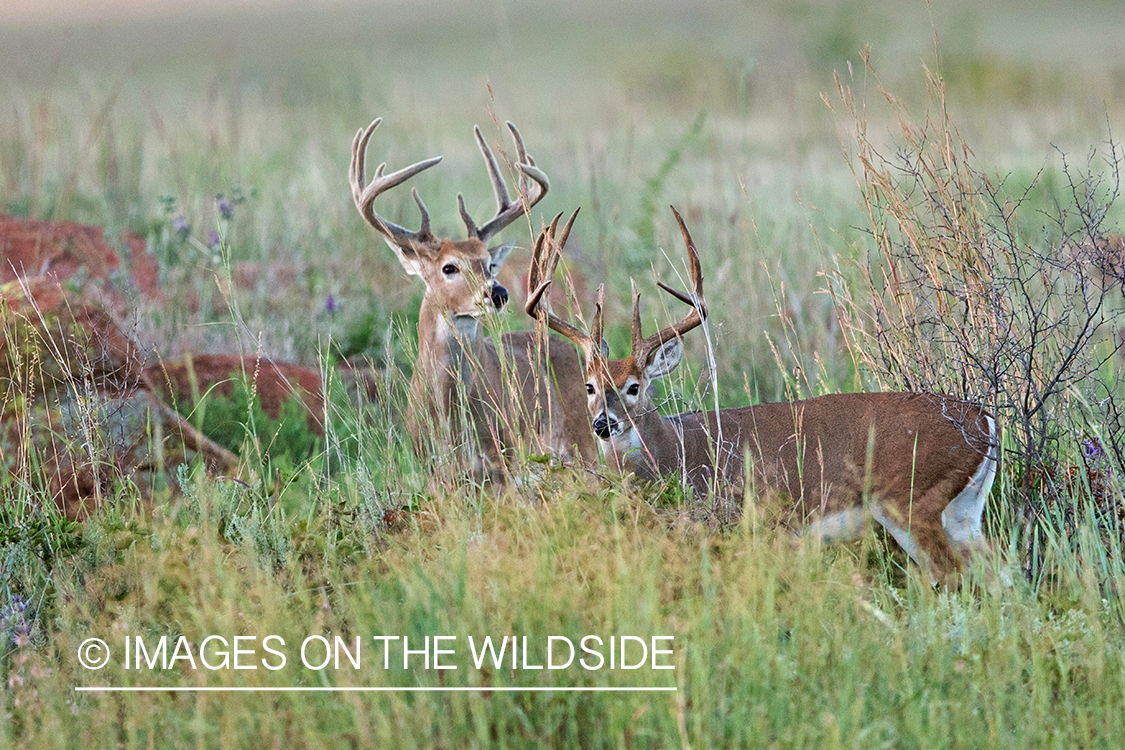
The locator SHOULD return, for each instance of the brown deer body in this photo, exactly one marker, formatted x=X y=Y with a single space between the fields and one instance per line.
x=921 y=465
x=504 y=389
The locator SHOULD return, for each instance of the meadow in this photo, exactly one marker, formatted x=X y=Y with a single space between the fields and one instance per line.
x=837 y=197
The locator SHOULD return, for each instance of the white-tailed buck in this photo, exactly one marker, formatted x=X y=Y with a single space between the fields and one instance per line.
x=921 y=465
x=508 y=385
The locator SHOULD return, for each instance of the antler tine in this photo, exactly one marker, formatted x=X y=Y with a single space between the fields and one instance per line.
x=424 y=229
x=555 y=225
x=566 y=229
x=364 y=194
x=642 y=347
x=499 y=187
x=560 y=243
x=506 y=210
x=470 y=225
x=521 y=158
x=695 y=270
x=525 y=165
x=638 y=337
x=555 y=250
x=598 y=325
x=537 y=272
x=539 y=278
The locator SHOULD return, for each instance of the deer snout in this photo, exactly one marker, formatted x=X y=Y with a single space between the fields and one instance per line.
x=499 y=296
x=603 y=426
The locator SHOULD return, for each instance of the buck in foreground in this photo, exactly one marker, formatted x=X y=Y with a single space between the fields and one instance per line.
x=921 y=465
x=505 y=389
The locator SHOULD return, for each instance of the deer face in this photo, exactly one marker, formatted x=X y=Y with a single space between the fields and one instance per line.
x=619 y=392
x=460 y=276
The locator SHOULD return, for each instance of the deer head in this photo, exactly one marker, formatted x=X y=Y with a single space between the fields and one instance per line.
x=618 y=391
x=460 y=275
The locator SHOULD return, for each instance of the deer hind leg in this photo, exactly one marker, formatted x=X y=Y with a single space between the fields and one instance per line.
x=961 y=519
x=922 y=537
x=841 y=526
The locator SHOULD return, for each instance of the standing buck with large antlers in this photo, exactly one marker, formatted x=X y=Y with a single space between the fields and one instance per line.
x=507 y=385
x=921 y=465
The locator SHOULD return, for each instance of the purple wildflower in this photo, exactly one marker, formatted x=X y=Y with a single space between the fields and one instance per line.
x=213 y=239
x=1091 y=448
x=226 y=208
x=13 y=616
x=181 y=227
x=330 y=303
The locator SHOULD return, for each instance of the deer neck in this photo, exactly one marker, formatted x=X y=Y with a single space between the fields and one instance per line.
x=444 y=344
x=654 y=442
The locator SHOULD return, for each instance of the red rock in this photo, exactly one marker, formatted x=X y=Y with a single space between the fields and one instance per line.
x=273 y=382
x=51 y=336
x=65 y=250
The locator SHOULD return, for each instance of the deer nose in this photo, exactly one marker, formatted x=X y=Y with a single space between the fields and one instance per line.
x=499 y=296
x=601 y=426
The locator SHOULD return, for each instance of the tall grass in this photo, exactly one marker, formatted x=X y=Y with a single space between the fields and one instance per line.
x=773 y=645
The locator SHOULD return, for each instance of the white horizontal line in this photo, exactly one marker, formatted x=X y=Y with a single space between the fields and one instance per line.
x=149 y=689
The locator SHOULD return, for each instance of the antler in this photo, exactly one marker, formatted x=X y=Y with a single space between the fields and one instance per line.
x=539 y=278
x=506 y=210
x=365 y=194
x=643 y=346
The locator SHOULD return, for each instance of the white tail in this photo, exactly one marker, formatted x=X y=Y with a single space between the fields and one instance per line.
x=509 y=392
x=921 y=465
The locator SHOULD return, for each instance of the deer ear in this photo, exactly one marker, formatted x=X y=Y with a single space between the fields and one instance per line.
x=408 y=257
x=588 y=354
x=664 y=358
x=499 y=255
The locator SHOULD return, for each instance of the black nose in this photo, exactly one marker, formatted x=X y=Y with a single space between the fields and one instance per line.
x=499 y=296
x=601 y=427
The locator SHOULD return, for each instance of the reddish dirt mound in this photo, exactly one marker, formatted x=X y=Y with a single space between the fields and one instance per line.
x=60 y=250
x=78 y=418
x=274 y=382
x=50 y=336
x=80 y=451
x=82 y=413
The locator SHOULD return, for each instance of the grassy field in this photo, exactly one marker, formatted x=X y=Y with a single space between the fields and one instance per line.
x=223 y=138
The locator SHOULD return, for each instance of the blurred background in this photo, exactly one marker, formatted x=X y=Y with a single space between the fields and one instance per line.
x=213 y=124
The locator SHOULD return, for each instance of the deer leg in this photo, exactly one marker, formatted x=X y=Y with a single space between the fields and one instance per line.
x=921 y=536
x=901 y=533
x=841 y=526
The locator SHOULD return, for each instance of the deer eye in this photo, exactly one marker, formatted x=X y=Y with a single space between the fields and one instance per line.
x=590 y=388
x=449 y=269
x=634 y=389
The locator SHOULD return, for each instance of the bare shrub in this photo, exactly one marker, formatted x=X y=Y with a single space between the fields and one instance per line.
x=1004 y=295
